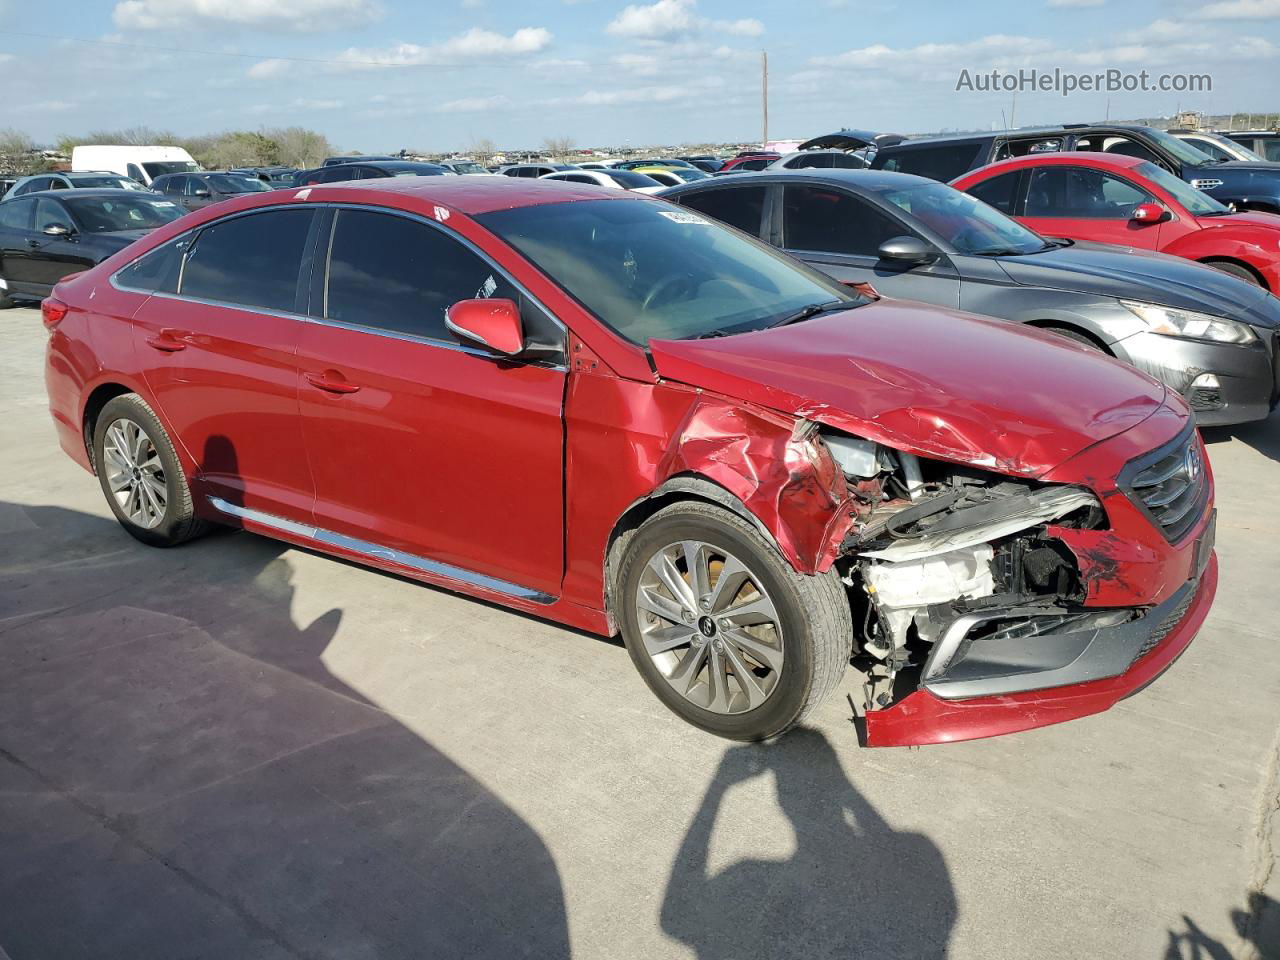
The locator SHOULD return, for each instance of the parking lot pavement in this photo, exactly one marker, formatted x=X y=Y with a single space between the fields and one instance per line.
x=238 y=749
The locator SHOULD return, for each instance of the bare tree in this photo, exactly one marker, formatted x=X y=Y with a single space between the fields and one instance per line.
x=300 y=147
x=19 y=154
x=483 y=149
x=558 y=148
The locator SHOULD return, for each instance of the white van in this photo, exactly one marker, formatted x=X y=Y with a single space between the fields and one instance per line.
x=144 y=164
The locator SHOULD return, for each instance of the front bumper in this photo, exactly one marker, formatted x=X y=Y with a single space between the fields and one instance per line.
x=924 y=717
x=1223 y=383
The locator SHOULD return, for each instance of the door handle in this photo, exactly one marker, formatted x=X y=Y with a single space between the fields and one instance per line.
x=33 y=244
x=165 y=342
x=331 y=381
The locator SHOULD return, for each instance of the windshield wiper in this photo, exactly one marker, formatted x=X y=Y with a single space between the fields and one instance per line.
x=812 y=310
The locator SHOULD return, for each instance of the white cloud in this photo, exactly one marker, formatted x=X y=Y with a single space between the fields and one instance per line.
x=674 y=20
x=474 y=43
x=553 y=65
x=307 y=104
x=268 y=68
x=308 y=15
x=473 y=104
x=1242 y=10
x=983 y=53
x=1076 y=3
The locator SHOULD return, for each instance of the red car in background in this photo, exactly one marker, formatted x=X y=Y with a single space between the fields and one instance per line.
x=750 y=160
x=618 y=414
x=1133 y=202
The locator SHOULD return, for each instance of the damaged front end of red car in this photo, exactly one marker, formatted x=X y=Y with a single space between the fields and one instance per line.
x=992 y=604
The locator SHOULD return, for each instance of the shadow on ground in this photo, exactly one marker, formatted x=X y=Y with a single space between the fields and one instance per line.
x=848 y=889
x=182 y=777
x=1257 y=926
x=1263 y=435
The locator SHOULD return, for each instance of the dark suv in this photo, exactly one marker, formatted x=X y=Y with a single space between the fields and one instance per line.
x=1265 y=143
x=1246 y=185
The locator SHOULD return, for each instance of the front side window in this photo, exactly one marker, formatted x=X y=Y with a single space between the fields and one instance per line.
x=831 y=221
x=649 y=270
x=1081 y=193
x=741 y=207
x=389 y=272
x=253 y=260
x=50 y=213
x=967 y=224
x=1209 y=148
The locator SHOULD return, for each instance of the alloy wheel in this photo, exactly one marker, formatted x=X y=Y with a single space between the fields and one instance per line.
x=135 y=475
x=709 y=627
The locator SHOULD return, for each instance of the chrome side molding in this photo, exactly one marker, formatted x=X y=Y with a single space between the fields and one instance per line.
x=376 y=552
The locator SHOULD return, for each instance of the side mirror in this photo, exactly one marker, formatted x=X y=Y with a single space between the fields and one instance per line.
x=494 y=324
x=909 y=250
x=202 y=194
x=58 y=230
x=1149 y=213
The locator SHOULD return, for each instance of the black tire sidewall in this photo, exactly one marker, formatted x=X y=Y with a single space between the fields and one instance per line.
x=792 y=694
x=1234 y=270
x=169 y=531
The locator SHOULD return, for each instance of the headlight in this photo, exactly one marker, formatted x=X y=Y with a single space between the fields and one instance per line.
x=1185 y=323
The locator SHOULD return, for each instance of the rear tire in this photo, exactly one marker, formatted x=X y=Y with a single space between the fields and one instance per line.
x=744 y=647
x=1235 y=269
x=140 y=475
x=5 y=300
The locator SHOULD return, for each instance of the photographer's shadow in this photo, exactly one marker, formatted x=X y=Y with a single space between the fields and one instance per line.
x=842 y=894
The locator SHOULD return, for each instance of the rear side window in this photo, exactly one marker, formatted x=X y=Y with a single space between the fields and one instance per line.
x=831 y=221
x=937 y=163
x=741 y=207
x=157 y=271
x=252 y=261
x=1000 y=192
x=391 y=273
x=16 y=214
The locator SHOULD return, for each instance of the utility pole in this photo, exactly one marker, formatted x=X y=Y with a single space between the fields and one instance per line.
x=764 y=97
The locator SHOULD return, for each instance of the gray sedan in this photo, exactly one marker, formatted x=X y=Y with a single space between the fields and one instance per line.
x=1209 y=336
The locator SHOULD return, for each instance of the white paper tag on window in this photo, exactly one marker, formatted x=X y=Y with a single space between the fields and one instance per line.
x=679 y=216
x=487 y=288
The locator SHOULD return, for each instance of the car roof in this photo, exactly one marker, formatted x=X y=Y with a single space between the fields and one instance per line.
x=1090 y=158
x=471 y=196
x=393 y=165
x=853 y=178
x=87 y=192
x=1021 y=133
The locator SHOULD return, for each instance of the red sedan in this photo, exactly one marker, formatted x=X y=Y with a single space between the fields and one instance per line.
x=617 y=414
x=1107 y=198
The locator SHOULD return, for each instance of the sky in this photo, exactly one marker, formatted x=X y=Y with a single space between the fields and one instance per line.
x=437 y=75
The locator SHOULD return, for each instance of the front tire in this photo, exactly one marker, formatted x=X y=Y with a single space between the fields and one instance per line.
x=723 y=630
x=140 y=475
x=1235 y=269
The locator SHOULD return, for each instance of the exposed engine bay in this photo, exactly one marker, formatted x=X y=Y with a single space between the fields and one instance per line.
x=943 y=557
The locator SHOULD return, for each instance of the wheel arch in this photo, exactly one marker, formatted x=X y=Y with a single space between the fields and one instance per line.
x=98 y=398
x=683 y=486
x=1236 y=262
x=1058 y=324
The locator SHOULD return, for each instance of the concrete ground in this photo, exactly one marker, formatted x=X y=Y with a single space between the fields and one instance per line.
x=239 y=750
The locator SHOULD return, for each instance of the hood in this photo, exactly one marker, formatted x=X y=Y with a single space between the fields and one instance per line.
x=1245 y=218
x=123 y=237
x=1253 y=166
x=1114 y=271
x=851 y=140
x=929 y=381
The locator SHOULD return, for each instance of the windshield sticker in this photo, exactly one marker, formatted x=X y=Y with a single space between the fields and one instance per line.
x=679 y=216
x=163 y=203
x=487 y=288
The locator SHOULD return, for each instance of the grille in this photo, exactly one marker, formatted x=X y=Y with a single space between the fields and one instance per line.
x=1167 y=624
x=1170 y=484
x=1205 y=398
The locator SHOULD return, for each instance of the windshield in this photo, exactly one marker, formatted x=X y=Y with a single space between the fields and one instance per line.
x=654 y=271
x=964 y=222
x=107 y=214
x=171 y=166
x=689 y=173
x=117 y=183
x=1197 y=203
x=469 y=168
x=1183 y=151
x=224 y=183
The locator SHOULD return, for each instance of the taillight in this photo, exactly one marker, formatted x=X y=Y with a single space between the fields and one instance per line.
x=52 y=311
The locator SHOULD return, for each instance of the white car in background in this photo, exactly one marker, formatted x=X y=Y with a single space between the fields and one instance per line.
x=142 y=163
x=1216 y=145
x=612 y=179
x=469 y=168
x=819 y=159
